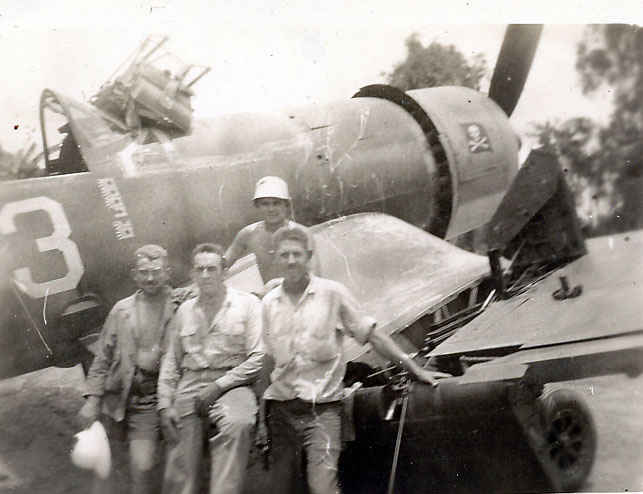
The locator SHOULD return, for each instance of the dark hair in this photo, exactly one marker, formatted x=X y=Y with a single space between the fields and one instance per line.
x=209 y=249
x=293 y=232
x=151 y=252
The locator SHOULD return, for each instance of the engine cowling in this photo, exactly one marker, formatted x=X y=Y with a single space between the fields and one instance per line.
x=439 y=158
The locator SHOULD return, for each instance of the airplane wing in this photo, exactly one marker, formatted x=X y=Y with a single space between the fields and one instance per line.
x=397 y=271
x=596 y=328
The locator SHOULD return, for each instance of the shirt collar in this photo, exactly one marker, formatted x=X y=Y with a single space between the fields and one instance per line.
x=139 y=293
x=311 y=289
x=227 y=299
x=225 y=305
x=312 y=286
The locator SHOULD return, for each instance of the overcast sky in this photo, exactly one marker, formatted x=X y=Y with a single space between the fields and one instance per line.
x=272 y=54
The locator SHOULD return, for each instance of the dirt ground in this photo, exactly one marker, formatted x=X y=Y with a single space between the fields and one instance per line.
x=37 y=423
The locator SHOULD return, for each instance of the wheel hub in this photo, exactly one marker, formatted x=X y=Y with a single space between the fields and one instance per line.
x=566 y=439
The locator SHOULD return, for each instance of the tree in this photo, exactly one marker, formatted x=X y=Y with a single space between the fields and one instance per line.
x=436 y=65
x=574 y=141
x=611 y=56
x=604 y=162
x=22 y=164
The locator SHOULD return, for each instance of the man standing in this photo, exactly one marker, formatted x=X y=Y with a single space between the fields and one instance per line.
x=122 y=380
x=272 y=199
x=305 y=320
x=215 y=353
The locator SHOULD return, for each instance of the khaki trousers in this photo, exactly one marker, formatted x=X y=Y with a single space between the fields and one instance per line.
x=233 y=418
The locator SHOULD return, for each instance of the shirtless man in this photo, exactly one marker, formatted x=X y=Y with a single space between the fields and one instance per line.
x=272 y=199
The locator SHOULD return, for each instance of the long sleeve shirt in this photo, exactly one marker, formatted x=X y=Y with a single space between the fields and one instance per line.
x=227 y=350
x=112 y=372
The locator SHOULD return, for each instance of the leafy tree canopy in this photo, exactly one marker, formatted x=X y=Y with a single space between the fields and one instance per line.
x=604 y=162
x=22 y=164
x=436 y=65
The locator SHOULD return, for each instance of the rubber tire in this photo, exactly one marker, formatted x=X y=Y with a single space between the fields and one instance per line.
x=570 y=434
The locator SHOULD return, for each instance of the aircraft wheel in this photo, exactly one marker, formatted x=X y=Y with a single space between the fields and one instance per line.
x=570 y=437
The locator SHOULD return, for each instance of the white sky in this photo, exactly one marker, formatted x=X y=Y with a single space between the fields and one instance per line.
x=267 y=55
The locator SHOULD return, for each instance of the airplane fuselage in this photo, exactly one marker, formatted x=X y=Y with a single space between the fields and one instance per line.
x=68 y=239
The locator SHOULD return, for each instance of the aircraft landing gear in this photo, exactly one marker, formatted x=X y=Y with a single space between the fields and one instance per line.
x=570 y=437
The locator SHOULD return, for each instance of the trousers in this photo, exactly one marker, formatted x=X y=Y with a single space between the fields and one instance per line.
x=140 y=432
x=231 y=419
x=297 y=428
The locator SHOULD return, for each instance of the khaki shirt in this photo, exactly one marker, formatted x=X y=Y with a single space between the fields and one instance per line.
x=227 y=350
x=306 y=340
x=112 y=372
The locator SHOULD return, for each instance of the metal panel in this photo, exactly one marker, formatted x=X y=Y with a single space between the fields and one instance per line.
x=610 y=303
x=397 y=271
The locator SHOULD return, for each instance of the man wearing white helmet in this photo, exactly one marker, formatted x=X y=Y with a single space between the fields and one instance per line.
x=272 y=199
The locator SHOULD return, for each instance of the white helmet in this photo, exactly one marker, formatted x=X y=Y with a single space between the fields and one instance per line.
x=271 y=187
x=92 y=451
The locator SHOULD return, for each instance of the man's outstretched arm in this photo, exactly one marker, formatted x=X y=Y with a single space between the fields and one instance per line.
x=386 y=347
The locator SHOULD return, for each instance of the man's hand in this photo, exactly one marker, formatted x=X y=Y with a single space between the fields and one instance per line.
x=207 y=398
x=429 y=377
x=170 y=424
x=90 y=411
x=261 y=437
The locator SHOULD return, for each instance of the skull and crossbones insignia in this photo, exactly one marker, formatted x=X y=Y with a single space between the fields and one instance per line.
x=477 y=138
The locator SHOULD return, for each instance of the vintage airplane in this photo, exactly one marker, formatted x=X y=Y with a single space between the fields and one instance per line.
x=444 y=159
x=133 y=168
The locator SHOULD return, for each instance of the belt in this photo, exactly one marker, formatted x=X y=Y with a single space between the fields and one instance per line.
x=208 y=372
x=144 y=382
x=147 y=374
x=301 y=406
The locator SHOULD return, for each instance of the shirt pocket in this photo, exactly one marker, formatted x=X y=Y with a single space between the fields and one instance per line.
x=235 y=328
x=321 y=342
x=231 y=335
x=190 y=340
x=322 y=346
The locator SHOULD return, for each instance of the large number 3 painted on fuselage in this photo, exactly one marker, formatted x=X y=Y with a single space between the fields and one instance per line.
x=58 y=240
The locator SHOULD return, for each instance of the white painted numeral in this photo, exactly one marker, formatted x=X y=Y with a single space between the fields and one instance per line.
x=58 y=240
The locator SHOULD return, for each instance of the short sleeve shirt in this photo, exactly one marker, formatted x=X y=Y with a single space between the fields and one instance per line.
x=306 y=340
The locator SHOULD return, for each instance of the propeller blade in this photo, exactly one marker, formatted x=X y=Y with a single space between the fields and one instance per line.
x=514 y=61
